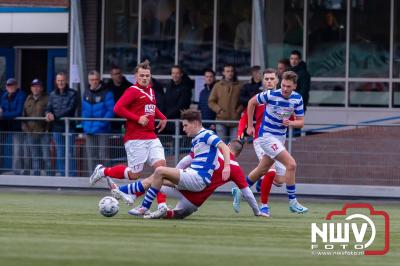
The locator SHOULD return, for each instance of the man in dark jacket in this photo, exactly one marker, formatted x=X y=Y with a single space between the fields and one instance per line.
x=98 y=102
x=117 y=84
x=304 y=79
x=159 y=91
x=63 y=102
x=206 y=112
x=253 y=87
x=178 y=97
x=11 y=106
x=37 y=138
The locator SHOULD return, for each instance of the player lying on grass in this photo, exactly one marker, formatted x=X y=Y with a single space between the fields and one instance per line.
x=189 y=201
x=280 y=105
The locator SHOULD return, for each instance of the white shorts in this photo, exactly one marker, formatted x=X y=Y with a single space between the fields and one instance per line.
x=190 y=180
x=279 y=167
x=141 y=151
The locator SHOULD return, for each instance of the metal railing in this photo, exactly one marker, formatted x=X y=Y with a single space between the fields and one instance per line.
x=325 y=153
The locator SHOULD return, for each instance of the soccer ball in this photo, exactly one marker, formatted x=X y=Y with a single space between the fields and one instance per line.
x=108 y=206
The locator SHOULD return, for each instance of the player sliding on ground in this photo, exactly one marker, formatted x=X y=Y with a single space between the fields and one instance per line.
x=263 y=183
x=188 y=201
x=280 y=105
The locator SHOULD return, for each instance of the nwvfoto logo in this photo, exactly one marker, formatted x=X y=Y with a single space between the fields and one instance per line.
x=355 y=233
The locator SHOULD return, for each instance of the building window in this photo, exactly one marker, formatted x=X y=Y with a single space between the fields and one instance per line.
x=369 y=38
x=120 y=35
x=326 y=54
x=369 y=94
x=396 y=46
x=327 y=94
x=158 y=35
x=396 y=94
x=234 y=34
x=284 y=29
x=196 y=35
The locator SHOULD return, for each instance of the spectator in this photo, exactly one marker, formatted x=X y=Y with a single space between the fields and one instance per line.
x=117 y=84
x=159 y=91
x=63 y=102
x=98 y=102
x=304 y=79
x=12 y=104
x=224 y=101
x=253 y=87
x=37 y=138
x=178 y=96
x=206 y=112
x=283 y=66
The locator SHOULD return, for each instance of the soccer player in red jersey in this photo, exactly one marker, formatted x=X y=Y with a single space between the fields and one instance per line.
x=138 y=106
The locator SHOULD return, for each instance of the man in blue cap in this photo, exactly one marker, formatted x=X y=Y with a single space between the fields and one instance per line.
x=11 y=106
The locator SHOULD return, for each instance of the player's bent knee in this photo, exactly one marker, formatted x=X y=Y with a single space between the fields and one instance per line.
x=159 y=171
x=279 y=179
x=133 y=176
x=291 y=166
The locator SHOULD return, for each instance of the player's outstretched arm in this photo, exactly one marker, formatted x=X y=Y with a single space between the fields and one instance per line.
x=227 y=160
x=251 y=200
x=184 y=162
x=163 y=120
x=250 y=114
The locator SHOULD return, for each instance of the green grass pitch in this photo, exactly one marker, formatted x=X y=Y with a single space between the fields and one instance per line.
x=65 y=229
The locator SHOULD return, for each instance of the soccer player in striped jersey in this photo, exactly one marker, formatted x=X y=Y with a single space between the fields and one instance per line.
x=189 y=202
x=264 y=183
x=205 y=145
x=279 y=107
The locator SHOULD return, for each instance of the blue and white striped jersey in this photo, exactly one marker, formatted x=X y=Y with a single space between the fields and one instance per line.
x=204 y=152
x=277 y=109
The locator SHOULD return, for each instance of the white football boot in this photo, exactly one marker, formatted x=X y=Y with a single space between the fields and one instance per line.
x=96 y=176
x=158 y=214
x=118 y=194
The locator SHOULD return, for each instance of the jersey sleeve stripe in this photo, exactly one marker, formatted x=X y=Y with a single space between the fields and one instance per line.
x=216 y=142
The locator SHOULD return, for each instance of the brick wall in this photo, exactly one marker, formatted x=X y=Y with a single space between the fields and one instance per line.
x=35 y=3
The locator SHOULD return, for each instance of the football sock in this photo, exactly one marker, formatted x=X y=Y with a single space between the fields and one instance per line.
x=161 y=198
x=266 y=185
x=151 y=194
x=116 y=171
x=258 y=184
x=249 y=182
x=133 y=188
x=291 y=191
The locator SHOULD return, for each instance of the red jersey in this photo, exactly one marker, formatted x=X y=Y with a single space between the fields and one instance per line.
x=135 y=102
x=237 y=176
x=258 y=115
